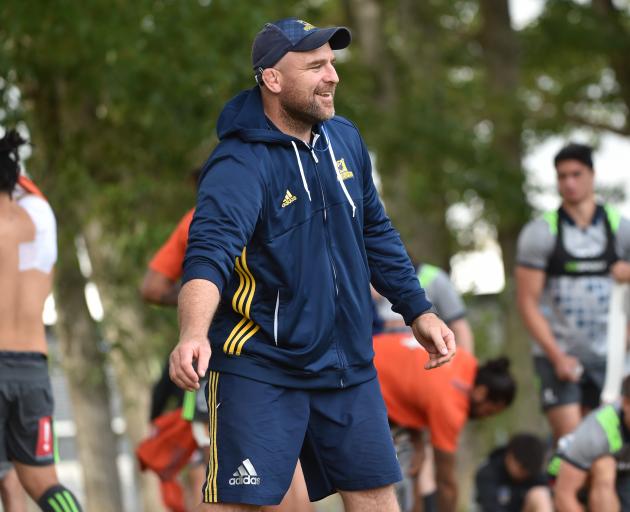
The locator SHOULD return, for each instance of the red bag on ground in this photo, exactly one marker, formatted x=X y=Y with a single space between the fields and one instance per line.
x=172 y=495
x=166 y=451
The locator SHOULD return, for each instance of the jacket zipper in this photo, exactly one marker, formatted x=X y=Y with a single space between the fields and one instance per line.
x=328 y=241
x=328 y=251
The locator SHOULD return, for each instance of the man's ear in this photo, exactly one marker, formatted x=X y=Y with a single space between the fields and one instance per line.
x=271 y=79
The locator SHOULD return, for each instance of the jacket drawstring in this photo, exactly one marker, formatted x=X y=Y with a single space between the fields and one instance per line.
x=297 y=156
x=339 y=179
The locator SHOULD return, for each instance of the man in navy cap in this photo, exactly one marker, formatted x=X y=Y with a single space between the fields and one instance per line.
x=287 y=235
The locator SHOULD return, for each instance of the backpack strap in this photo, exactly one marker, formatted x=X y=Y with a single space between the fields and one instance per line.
x=551 y=218
x=614 y=217
x=612 y=213
x=427 y=274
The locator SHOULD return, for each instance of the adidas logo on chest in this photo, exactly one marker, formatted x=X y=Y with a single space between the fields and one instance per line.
x=288 y=199
x=245 y=475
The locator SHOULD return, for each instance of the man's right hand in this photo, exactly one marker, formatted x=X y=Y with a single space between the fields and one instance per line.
x=181 y=369
x=568 y=368
x=437 y=339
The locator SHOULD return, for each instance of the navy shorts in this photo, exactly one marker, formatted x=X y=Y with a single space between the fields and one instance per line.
x=258 y=431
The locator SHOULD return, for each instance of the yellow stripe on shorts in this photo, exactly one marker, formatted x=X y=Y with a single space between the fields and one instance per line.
x=211 y=495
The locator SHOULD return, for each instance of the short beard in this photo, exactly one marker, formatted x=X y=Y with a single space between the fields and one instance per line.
x=302 y=114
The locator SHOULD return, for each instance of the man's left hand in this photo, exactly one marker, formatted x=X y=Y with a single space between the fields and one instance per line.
x=438 y=340
x=621 y=271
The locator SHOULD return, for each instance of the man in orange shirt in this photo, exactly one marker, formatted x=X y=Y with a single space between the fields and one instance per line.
x=161 y=282
x=438 y=402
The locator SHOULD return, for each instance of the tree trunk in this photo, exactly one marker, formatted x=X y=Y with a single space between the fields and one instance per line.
x=502 y=65
x=131 y=356
x=131 y=367
x=84 y=361
x=425 y=234
x=618 y=57
x=135 y=393
x=81 y=345
x=367 y=20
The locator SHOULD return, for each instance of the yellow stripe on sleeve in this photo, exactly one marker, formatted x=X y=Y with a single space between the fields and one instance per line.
x=241 y=284
x=244 y=330
x=234 y=332
x=241 y=300
x=245 y=338
x=242 y=303
x=253 y=281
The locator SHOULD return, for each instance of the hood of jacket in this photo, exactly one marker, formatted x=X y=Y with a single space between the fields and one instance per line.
x=244 y=117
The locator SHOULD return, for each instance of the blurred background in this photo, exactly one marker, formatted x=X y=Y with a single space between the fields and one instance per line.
x=463 y=104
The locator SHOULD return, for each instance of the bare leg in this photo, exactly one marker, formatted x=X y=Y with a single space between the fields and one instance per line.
x=603 y=495
x=197 y=472
x=538 y=499
x=563 y=419
x=381 y=499
x=36 y=479
x=196 y=477
x=426 y=483
x=296 y=499
x=12 y=493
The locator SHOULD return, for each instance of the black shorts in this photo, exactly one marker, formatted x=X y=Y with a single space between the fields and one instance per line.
x=26 y=409
x=622 y=484
x=5 y=467
x=555 y=392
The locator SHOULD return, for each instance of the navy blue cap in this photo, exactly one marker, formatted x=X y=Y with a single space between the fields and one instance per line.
x=293 y=35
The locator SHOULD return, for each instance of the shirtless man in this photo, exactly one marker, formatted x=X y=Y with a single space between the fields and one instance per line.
x=28 y=251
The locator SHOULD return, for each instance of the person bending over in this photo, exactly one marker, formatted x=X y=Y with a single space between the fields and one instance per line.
x=511 y=479
x=436 y=403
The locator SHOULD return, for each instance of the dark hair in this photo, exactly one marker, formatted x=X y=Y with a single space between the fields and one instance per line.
x=625 y=387
x=580 y=152
x=529 y=452
x=9 y=161
x=496 y=377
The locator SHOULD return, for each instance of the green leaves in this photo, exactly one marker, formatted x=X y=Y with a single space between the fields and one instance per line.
x=122 y=98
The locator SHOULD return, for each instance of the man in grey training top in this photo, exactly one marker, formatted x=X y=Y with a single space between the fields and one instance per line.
x=566 y=263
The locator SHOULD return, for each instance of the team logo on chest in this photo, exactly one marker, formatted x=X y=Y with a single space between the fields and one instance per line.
x=288 y=199
x=342 y=171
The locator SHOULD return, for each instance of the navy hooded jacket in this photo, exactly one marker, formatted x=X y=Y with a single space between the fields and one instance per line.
x=292 y=240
